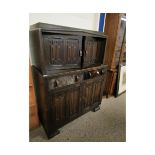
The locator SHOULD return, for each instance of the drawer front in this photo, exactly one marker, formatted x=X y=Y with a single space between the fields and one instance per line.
x=59 y=82
x=63 y=81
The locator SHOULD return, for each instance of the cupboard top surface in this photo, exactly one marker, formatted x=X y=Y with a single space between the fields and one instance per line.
x=69 y=30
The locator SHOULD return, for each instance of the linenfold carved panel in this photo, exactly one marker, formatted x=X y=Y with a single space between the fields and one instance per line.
x=90 y=51
x=62 y=50
x=97 y=92
x=93 y=51
x=58 y=107
x=87 y=95
x=56 y=51
x=73 y=102
x=72 y=50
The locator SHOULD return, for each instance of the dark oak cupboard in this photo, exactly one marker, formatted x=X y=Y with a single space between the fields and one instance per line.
x=68 y=71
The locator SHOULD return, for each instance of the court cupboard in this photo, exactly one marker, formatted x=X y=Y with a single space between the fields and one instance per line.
x=68 y=71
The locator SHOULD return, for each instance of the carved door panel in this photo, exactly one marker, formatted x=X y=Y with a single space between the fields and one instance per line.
x=73 y=45
x=87 y=95
x=73 y=102
x=98 y=91
x=54 y=50
x=93 y=52
x=62 y=51
x=58 y=108
x=90 y=51
x=65 y=105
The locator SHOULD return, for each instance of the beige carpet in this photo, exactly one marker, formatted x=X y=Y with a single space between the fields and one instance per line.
x=106 y=125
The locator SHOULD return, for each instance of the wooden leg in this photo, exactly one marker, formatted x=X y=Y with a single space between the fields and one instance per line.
x=96 y=109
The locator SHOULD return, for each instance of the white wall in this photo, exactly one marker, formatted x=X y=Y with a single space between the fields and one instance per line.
x=88 y=21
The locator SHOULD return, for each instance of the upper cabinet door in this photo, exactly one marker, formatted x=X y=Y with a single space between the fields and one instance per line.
x=73 y=47
x=62 y=51
x=93 y=51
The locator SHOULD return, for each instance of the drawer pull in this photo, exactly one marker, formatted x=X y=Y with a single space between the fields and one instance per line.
x=55 y=84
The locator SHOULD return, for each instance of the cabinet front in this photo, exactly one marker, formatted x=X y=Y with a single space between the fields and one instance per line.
x=62 y=51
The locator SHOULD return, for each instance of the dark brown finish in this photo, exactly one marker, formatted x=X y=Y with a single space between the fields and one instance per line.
x=62 y=51
x=115 y=29
x=59 y=105
x=93 y=51
x=56 y=47
x=65 y=87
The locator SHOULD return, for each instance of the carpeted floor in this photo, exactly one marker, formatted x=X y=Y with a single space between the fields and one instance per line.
x=106 y=125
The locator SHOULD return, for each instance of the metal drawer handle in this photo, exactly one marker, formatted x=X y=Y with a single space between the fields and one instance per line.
x=76 y=78
x=55 y=83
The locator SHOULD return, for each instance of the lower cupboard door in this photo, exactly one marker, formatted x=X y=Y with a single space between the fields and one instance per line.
x=87 y=96
x=58 y=109
x=73 y=102
x=98 y=91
